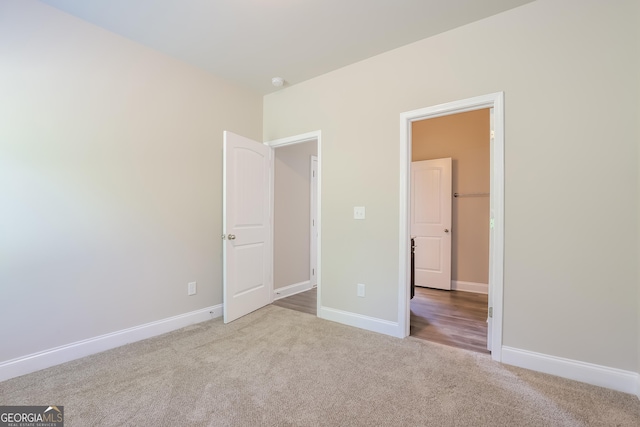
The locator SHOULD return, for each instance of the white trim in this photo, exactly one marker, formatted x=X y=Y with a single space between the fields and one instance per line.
x=603 y=376
x=359 y=321
x=65 y=353
x=287 y=291
x=313 y=217
x=272 y=216
x=476 y=288
x=638 y=385
x=496 y=250
x=298 y=139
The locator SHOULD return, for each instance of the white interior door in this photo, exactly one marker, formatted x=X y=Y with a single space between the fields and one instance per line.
x=431 y=222
x=247 y=248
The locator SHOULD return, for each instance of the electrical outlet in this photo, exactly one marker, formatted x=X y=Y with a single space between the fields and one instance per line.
x=192 y=288
x=360 y=290
x=358 y=212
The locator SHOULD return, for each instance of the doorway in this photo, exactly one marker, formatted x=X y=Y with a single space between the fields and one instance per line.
x=296 y=223
x=493 y=102
x=450 y=226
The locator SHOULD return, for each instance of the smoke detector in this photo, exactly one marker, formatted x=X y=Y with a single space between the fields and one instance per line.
x=277 y=81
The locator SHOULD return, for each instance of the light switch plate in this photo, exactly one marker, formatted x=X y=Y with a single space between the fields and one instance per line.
x=358 y=212
x=192 y=288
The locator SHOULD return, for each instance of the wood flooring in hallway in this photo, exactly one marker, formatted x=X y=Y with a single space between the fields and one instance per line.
x=454 y=318
x=304 y=302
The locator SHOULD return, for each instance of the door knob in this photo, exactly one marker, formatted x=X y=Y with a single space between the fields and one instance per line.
x=446 y=230
x=231 y=237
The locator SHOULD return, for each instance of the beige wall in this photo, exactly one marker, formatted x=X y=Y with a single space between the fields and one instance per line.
x=110 y=180
x=465 y=138
x=292 y=213
x=569 y=70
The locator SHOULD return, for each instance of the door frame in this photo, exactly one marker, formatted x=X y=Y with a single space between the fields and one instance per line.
x=299 y=139
x=494 y=101
x=313 y=214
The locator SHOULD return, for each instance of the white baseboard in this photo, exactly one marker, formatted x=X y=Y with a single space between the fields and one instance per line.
x=477 y=288
x=359 y=321
x=287 y=291
x=603 y=376
x=65 y=353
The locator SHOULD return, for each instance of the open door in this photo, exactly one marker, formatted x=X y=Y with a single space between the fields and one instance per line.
x=247 y=247
x=431 y=222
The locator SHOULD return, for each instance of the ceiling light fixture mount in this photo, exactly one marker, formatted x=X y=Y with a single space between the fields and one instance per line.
x=277 y=81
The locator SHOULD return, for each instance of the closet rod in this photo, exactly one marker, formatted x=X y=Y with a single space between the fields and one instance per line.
x=470 y=194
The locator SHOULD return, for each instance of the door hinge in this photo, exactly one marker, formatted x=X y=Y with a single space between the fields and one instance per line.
x=491 y=312
x=492 y=134
x=313 y=271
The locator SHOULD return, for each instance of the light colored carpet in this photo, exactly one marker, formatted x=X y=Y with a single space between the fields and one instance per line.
x=279 y=367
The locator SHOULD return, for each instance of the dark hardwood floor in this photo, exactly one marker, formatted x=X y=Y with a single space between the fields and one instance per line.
x=454 y=318
x=304 y=301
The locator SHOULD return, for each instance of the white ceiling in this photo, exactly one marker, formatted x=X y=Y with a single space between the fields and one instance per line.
x=251 y=41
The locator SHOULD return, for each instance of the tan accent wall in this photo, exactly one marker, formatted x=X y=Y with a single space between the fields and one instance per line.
x=110 y=180
x=465 y=138
x=292 y=213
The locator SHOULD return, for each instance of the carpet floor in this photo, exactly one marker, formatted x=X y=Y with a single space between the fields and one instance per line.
x=279 y=367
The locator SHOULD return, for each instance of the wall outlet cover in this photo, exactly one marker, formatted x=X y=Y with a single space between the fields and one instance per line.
x=360 y=290
x=358 y=212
